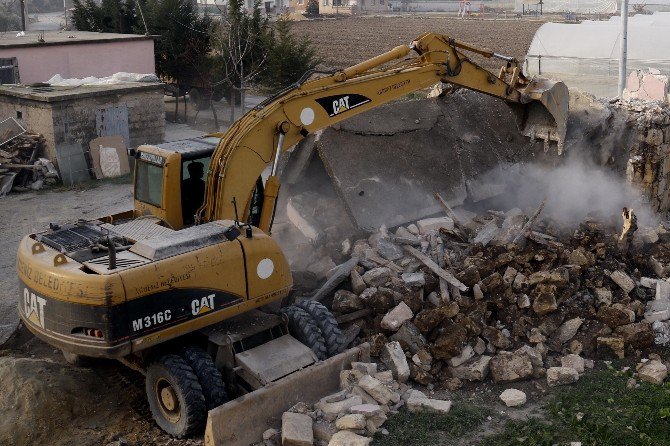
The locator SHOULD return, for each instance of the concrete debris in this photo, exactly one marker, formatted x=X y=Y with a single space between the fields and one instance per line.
x=574 y=362
x=418 y=402
x=396 y=317
x=394 y=358
x=469 y=305
x=558 y=376
x=426 y=226
x=296 y=429
x=653 y=371
x=513 y=397
x=348 y=438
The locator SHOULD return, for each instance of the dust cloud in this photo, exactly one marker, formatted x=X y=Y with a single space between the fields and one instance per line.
x=574 y=189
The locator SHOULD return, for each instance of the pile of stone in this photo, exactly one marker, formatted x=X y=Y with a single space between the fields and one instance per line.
x=508 y=296
x=353 y=415
x=21 y=167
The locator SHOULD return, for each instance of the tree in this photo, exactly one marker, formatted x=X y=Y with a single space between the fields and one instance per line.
x=289 y=57
x=182 y=50
x=242 y=44
x=110 y=16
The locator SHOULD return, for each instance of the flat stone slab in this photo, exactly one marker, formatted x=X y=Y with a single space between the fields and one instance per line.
x=386 y=163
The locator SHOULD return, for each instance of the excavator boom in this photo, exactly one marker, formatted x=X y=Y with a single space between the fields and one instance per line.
x=259 y=137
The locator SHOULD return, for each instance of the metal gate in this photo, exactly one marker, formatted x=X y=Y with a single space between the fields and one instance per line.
x=113 y=121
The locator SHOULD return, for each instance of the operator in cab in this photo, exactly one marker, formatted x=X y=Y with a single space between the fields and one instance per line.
x=192 y=191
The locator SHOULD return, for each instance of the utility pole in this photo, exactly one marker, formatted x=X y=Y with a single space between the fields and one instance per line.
x=23 y=15
x=624 y=46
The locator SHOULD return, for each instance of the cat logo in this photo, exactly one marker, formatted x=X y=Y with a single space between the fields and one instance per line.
x=33 y=307
x=335 y=105
x=340 y=105
x=202 y=306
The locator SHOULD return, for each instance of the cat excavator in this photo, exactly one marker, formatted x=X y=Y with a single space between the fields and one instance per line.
x=178 y=287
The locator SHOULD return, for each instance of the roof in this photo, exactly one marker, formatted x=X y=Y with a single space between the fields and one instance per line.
x=192 y=148
x=31 y=38
x=56 y=94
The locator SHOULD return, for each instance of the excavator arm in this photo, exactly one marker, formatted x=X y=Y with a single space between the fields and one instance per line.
x=259 y=137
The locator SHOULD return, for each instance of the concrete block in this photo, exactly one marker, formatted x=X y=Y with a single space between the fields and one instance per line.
x=296 y=430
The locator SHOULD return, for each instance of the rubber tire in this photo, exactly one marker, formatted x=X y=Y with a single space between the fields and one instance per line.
x=326 y=322
x=210 y=379
x=189 y=393
x=302 y=326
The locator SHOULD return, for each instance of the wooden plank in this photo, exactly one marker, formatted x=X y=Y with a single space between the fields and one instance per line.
x=344 y=318
x=434 y=267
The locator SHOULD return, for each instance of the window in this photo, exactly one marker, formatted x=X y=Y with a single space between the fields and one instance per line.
x=301 y=2
x=149 y=183
x=325 y=2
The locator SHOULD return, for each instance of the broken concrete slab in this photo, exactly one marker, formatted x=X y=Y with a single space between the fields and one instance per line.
x=377 y=186
x=296 y=429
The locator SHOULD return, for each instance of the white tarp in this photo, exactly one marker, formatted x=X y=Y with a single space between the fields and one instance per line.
x=587 y=6
x=586 y=55
x=115 y=79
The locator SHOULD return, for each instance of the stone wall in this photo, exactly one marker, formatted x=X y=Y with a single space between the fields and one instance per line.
x=71 y=119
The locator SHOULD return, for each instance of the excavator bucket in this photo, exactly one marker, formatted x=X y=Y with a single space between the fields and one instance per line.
x=243 y=420
x=543 y=113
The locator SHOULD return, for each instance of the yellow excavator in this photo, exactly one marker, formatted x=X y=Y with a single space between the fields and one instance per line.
x=173 y=287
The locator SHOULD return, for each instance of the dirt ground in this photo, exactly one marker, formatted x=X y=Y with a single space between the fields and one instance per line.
x=343 y=42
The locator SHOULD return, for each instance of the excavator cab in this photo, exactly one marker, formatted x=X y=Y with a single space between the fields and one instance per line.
x=170 y=179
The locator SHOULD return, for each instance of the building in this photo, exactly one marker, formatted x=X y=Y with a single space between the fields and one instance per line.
x=70 y=117
x=39 y=55
x=346 y=7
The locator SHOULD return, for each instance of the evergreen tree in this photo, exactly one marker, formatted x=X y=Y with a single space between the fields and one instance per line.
x=182 y=49
x=289 y=57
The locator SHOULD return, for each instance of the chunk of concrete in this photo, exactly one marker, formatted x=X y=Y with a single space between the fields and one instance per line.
x=377 y=277
x=333 y=409
x=513 y=397
x=653 y=372
x=476 y=370
x=435 y=224
x=558 y=376
x=394 y=358
x=574 y=362
x=419 y=402
x=414 y=280
x=348 y=438
x=396 y=317
x=296 y=429
x=352 y=421
x=623 y=280
x=378 y=391
x=467 y=353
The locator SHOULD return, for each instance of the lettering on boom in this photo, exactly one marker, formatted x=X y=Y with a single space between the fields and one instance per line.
x=392 y=87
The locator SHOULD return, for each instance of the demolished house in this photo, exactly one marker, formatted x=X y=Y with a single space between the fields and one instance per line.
x=472 y=293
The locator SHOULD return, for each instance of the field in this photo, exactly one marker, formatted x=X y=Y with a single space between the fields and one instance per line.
x=343 y=42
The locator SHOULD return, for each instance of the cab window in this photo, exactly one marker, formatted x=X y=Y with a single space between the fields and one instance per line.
x=149 y=183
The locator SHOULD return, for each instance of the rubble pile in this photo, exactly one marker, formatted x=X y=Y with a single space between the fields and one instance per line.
x=351 y=416
x=506 y=296
x=21 y=167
